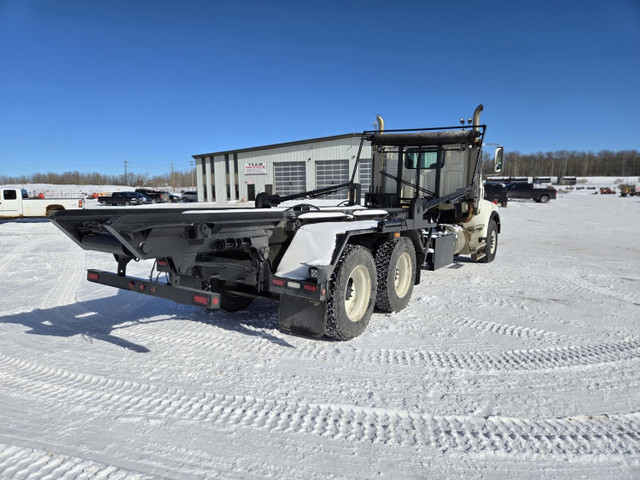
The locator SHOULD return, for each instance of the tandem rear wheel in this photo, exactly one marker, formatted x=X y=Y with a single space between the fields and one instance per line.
x=352 y=295
x=396 y=273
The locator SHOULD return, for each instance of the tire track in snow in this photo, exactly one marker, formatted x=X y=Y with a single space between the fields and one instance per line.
x=584 y=435
x=504 y=329
x=8 y=261
x=63 y=291
x=579 y=283
x=195 y=336
x=21 y=462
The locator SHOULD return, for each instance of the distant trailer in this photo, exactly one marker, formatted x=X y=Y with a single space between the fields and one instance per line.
x=541 y=179
x=498 y=179
x=567 y=180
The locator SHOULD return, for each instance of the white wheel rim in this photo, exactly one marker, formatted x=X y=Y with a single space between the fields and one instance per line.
x=358 y=293
x=402 y=279
x=494 y=242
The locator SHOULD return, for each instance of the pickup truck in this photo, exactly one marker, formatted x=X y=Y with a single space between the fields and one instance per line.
x=496 y=192
x=15 y=203
x=124 y=198
x=522 y=190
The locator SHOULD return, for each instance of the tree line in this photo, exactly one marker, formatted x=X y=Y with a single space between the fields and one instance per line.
x=177 y=179
x=605 y=163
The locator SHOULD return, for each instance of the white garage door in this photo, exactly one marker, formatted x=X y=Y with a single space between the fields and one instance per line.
x=290 y=177
x=332 y=172
x=365 y=175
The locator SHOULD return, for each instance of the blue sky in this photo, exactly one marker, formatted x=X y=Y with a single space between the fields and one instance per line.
x=86 y=85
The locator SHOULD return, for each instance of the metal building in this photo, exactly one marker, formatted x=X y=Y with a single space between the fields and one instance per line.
x=283 y=168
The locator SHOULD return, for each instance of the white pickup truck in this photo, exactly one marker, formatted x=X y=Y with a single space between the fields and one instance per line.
x=15 y=203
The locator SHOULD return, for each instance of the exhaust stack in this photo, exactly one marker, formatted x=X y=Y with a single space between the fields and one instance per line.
x=476 y=118
x=380 y=123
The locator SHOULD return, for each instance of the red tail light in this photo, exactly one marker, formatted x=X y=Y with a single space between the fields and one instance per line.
x=277 y=281
x=311 y=288
x=93 y=276
x=201 y=300
x=162 y=263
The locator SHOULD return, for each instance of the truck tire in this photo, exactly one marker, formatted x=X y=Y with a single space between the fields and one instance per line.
x=396 y=271
x=544 y=198
x=492 y=243
x=352 y=293
x=230 y=302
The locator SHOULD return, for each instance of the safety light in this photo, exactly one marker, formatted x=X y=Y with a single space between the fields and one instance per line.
x=201 y=300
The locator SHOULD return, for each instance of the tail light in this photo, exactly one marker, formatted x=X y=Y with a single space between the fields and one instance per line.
x=201 y=300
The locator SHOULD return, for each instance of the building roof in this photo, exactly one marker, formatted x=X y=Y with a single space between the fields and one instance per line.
x=278 y=145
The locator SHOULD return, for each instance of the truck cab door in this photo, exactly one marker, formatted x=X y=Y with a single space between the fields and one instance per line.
x=10 y=203
x=515 y=191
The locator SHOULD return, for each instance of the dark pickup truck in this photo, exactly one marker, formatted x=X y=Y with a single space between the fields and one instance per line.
x=124 y=198
x=496 y=192
x=521 y=190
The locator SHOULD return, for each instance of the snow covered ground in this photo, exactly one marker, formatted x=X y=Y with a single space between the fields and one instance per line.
x=528 y=367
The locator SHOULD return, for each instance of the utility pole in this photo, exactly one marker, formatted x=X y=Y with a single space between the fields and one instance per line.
x=126 y=181
x=191 y=164
x=172 y=182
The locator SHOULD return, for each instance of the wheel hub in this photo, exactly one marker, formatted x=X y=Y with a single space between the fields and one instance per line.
x=357 y=293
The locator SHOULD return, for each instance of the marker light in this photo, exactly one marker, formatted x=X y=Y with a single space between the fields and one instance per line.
x=201 y=300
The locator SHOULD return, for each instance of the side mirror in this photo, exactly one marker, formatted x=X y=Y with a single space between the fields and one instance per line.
x=498 y=158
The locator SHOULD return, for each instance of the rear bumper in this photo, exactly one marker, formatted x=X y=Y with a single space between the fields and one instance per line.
x=187 y=296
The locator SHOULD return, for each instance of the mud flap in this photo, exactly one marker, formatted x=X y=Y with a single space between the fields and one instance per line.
x=302 y=317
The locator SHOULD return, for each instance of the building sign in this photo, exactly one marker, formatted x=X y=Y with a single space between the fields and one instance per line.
x=255 y=168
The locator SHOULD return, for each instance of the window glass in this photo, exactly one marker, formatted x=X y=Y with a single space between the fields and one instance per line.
x=425 y=158
x=10 y=195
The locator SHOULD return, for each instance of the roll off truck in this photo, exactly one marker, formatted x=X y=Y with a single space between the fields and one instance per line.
x=328 y=267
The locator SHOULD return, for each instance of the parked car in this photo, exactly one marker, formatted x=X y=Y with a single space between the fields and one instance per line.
x=155 y=196
x=189 y=196
x=496 y=192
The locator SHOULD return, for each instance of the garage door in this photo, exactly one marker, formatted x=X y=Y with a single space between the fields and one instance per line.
x=332 y=172
x=290 y=177
x=365 y=175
